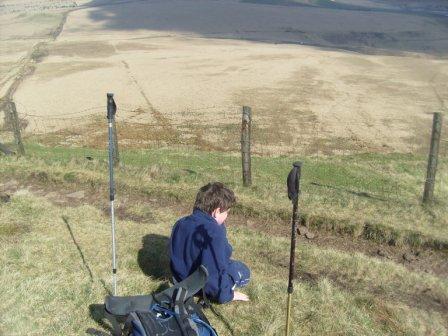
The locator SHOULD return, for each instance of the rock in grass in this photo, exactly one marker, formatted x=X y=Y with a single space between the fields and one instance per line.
x=4 y=197
x=381 y=253
x=302 y=230
x=409 y=257
x=40 y=176
x=309 y=235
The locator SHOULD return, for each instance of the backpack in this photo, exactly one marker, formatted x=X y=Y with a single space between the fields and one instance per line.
x=172 y=312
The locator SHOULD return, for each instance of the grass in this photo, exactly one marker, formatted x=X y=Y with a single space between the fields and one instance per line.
x=56 y=274
x=55 y=259
x=373 y=196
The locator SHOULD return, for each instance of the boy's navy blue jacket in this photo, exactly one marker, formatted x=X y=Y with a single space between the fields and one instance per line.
x=198 y=239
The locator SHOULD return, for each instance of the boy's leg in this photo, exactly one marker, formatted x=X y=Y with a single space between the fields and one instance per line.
x=240 y=273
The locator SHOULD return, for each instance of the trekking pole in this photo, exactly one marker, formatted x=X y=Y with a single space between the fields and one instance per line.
x=293 y=183
x=111 y=109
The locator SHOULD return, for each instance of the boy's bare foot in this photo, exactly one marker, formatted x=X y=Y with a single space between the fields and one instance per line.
x=238 y=296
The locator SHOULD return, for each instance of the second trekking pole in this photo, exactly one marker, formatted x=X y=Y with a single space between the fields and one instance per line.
x=111 y=110
x=293 y=183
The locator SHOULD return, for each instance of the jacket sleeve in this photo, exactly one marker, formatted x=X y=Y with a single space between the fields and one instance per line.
x=220 y=284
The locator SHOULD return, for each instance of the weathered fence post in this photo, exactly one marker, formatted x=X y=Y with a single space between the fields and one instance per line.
x=15 y=124
x=428 y=193
x=245 y=146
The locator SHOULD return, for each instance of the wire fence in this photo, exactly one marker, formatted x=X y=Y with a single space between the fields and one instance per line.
x=215 y=131
x=218 y=127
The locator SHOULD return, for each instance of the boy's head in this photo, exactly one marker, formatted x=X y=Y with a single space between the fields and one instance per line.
x=216 y=200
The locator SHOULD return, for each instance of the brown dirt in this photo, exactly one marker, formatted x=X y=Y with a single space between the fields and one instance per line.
x=63 y=194
x=422 y=260
x=304 y=99
x=421 y=299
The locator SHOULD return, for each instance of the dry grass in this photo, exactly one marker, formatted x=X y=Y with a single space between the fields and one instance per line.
x=377 y=197
x=54 y=276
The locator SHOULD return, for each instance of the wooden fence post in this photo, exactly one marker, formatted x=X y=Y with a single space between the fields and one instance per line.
x=14 y=119
x=428 y=193
x=245 y=146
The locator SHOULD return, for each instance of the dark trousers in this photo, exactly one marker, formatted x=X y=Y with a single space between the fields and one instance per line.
x=240 y=273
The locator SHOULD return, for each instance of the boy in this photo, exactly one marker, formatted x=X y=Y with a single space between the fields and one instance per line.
x=201 y=239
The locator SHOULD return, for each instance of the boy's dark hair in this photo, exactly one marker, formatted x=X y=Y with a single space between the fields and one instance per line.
x=214 y=195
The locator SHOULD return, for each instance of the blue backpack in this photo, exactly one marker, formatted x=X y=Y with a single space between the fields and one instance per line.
x=173 y=312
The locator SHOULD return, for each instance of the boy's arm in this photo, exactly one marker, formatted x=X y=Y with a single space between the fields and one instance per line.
x=220 y=286
x=229 y=247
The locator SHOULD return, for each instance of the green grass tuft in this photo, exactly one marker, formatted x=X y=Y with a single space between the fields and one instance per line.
x=373 y=196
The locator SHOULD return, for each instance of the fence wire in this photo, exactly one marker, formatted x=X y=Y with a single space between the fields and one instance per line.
x=149 y=139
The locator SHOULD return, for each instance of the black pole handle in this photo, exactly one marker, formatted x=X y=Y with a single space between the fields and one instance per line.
x=293 y=183
x=111 y=106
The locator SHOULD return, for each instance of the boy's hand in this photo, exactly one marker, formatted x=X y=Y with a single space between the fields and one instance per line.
x=238 y=296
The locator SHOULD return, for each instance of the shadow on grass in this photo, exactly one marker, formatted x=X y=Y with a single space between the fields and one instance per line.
x=81 y=255
x=96 y=310
x=352 y=192
x=97 y=313
x=153 y=257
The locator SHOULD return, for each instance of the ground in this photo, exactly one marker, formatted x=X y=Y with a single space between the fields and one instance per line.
x=191 y=65
x=347 y=87
x=57 y=209
x=376 y=264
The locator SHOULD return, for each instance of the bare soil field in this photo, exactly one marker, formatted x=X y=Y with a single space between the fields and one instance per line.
x=317 y=76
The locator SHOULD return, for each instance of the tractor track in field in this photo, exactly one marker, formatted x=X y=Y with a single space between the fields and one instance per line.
x=158 y=116
x=27 y=64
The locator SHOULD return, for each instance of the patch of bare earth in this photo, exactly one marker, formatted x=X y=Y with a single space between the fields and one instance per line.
x=304 y=100
x=70 y=194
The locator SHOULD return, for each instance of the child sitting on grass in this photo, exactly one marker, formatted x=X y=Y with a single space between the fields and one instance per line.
x=201 y=239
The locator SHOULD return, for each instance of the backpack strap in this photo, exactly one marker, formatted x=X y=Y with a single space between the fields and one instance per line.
x=196 y=308
x=191 y=285
x=123 y=305
x=186 y=324
x=116 y=328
